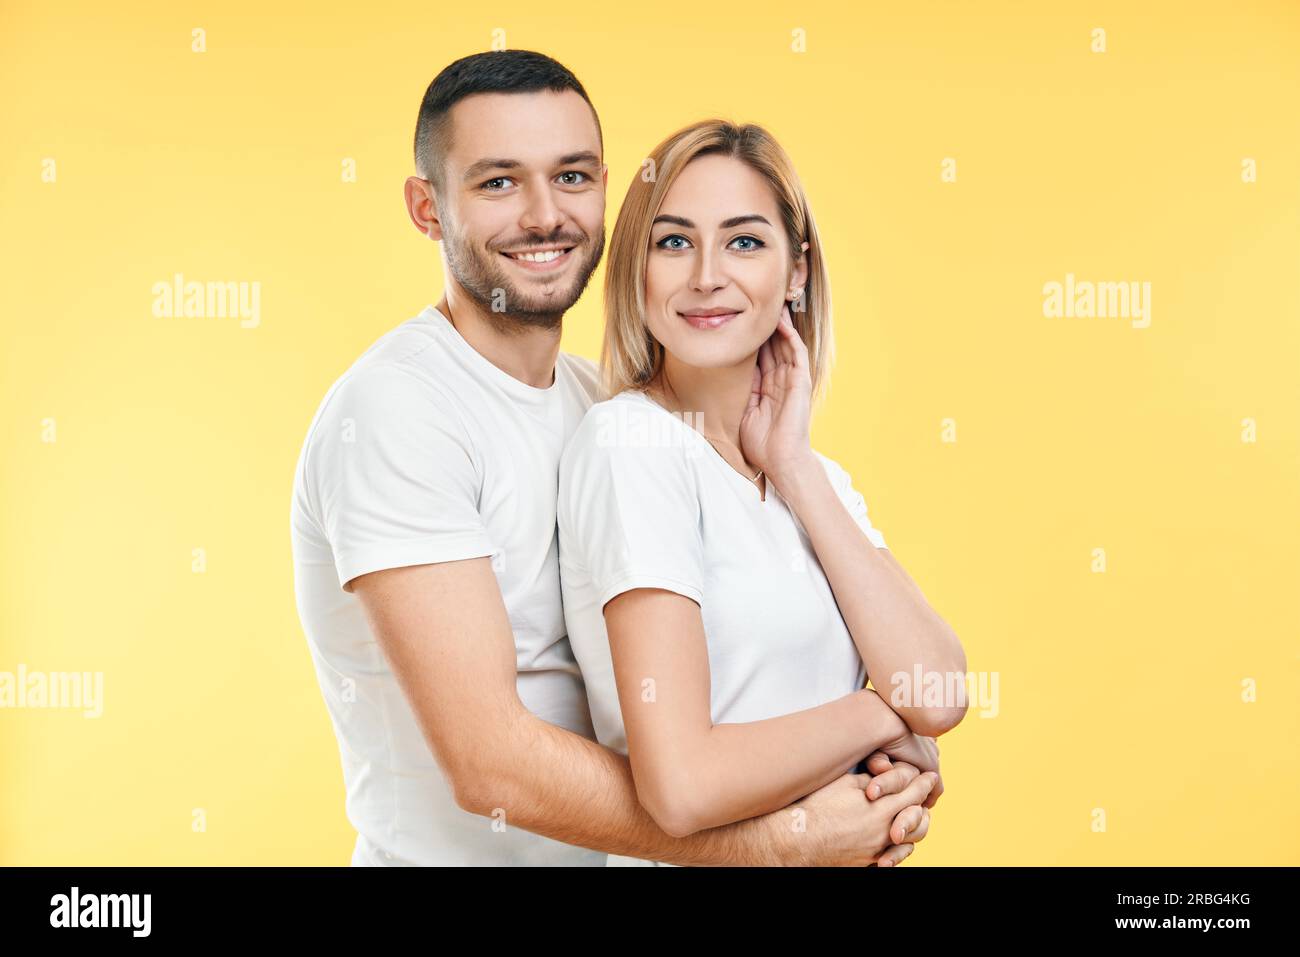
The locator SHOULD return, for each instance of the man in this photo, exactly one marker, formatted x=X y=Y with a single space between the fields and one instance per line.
x=423 y=525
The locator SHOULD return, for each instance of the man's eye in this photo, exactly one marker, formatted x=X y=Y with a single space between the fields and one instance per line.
x=664 y=243
x=499 y=179
x=574 y=172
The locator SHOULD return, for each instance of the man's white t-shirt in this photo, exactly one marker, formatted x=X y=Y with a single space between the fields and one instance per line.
x=646 y=502
x=424 y=452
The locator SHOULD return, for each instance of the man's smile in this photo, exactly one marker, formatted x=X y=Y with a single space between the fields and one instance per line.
x=548 y=259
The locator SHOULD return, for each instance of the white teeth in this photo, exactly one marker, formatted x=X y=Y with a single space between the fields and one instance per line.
x=548 y=256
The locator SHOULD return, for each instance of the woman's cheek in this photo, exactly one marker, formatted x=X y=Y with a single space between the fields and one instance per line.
x=658 y=313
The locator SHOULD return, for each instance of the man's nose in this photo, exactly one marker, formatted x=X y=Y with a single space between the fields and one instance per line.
x=542 y=213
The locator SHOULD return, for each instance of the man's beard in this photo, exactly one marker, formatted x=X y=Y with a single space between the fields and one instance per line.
x=484 y=277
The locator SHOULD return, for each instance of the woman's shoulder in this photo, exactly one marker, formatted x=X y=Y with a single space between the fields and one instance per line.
x=629 y=428
x=853 y=499
x=618 y=403
x=627 y=455
x=840 y=478
x=627 y=422
x=832 y=467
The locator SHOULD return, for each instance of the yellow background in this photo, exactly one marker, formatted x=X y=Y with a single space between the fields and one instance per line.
x=1119 y=690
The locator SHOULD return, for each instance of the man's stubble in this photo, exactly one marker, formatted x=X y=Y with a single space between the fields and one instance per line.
x=509 y=307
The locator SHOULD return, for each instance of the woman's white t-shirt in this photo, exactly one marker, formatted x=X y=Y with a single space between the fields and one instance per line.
x=647 y=502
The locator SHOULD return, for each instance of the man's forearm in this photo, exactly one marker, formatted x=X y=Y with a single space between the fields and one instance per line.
x=561 y=785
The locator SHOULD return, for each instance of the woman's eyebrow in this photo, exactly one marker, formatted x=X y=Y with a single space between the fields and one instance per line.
x=725 y=224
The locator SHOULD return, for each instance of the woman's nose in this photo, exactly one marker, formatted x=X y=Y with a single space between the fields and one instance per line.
x=708 y=274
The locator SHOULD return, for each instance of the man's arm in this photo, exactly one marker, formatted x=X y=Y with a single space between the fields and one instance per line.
x=693 y=774
x=445 y=631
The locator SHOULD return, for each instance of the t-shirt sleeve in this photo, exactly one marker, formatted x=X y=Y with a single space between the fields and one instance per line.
x=852 y=499
x=629 y=510
x=394 y=476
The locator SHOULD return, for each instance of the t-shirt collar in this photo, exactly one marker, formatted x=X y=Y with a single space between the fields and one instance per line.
x=485 y=368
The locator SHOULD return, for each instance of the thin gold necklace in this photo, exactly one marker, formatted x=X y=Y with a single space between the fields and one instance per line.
x=725 y=460
x=757 y=475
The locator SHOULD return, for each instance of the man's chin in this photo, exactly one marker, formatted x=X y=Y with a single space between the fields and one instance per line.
x=535 y=306
x=530 y=301
x=538 y=310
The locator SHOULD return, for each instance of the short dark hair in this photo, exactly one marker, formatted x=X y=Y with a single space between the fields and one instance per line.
x=499 y=71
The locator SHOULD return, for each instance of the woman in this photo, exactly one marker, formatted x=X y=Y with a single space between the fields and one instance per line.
x=724 y=592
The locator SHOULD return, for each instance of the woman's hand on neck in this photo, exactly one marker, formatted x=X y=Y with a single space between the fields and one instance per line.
x=774 y=430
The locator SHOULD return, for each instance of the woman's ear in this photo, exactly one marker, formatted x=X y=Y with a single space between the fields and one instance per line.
x=799 y=276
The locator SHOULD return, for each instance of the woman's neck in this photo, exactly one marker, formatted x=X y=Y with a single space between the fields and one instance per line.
x=718 y=396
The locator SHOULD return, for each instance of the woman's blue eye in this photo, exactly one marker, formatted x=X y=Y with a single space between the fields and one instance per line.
x=675 y=237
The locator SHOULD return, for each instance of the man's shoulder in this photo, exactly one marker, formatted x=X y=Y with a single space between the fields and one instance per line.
x=585 y=372
x=415 y=346
x=582 y=362
x=409 y=361
x=396 y=386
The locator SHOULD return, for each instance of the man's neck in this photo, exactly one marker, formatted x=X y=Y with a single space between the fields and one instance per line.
x=526 y=353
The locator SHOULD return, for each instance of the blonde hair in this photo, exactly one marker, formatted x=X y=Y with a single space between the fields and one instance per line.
x=630 y=356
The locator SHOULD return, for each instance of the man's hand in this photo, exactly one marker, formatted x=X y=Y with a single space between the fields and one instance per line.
x=444 y=629
x=836 y=826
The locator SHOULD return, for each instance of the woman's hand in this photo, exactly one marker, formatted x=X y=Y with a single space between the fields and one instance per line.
x=774 y=428
x=892 y=776
x=915 y=749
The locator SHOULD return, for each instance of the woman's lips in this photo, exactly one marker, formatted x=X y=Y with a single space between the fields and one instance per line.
x=708 y=322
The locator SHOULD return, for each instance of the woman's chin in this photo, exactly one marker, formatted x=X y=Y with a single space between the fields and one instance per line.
x=717 y=356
